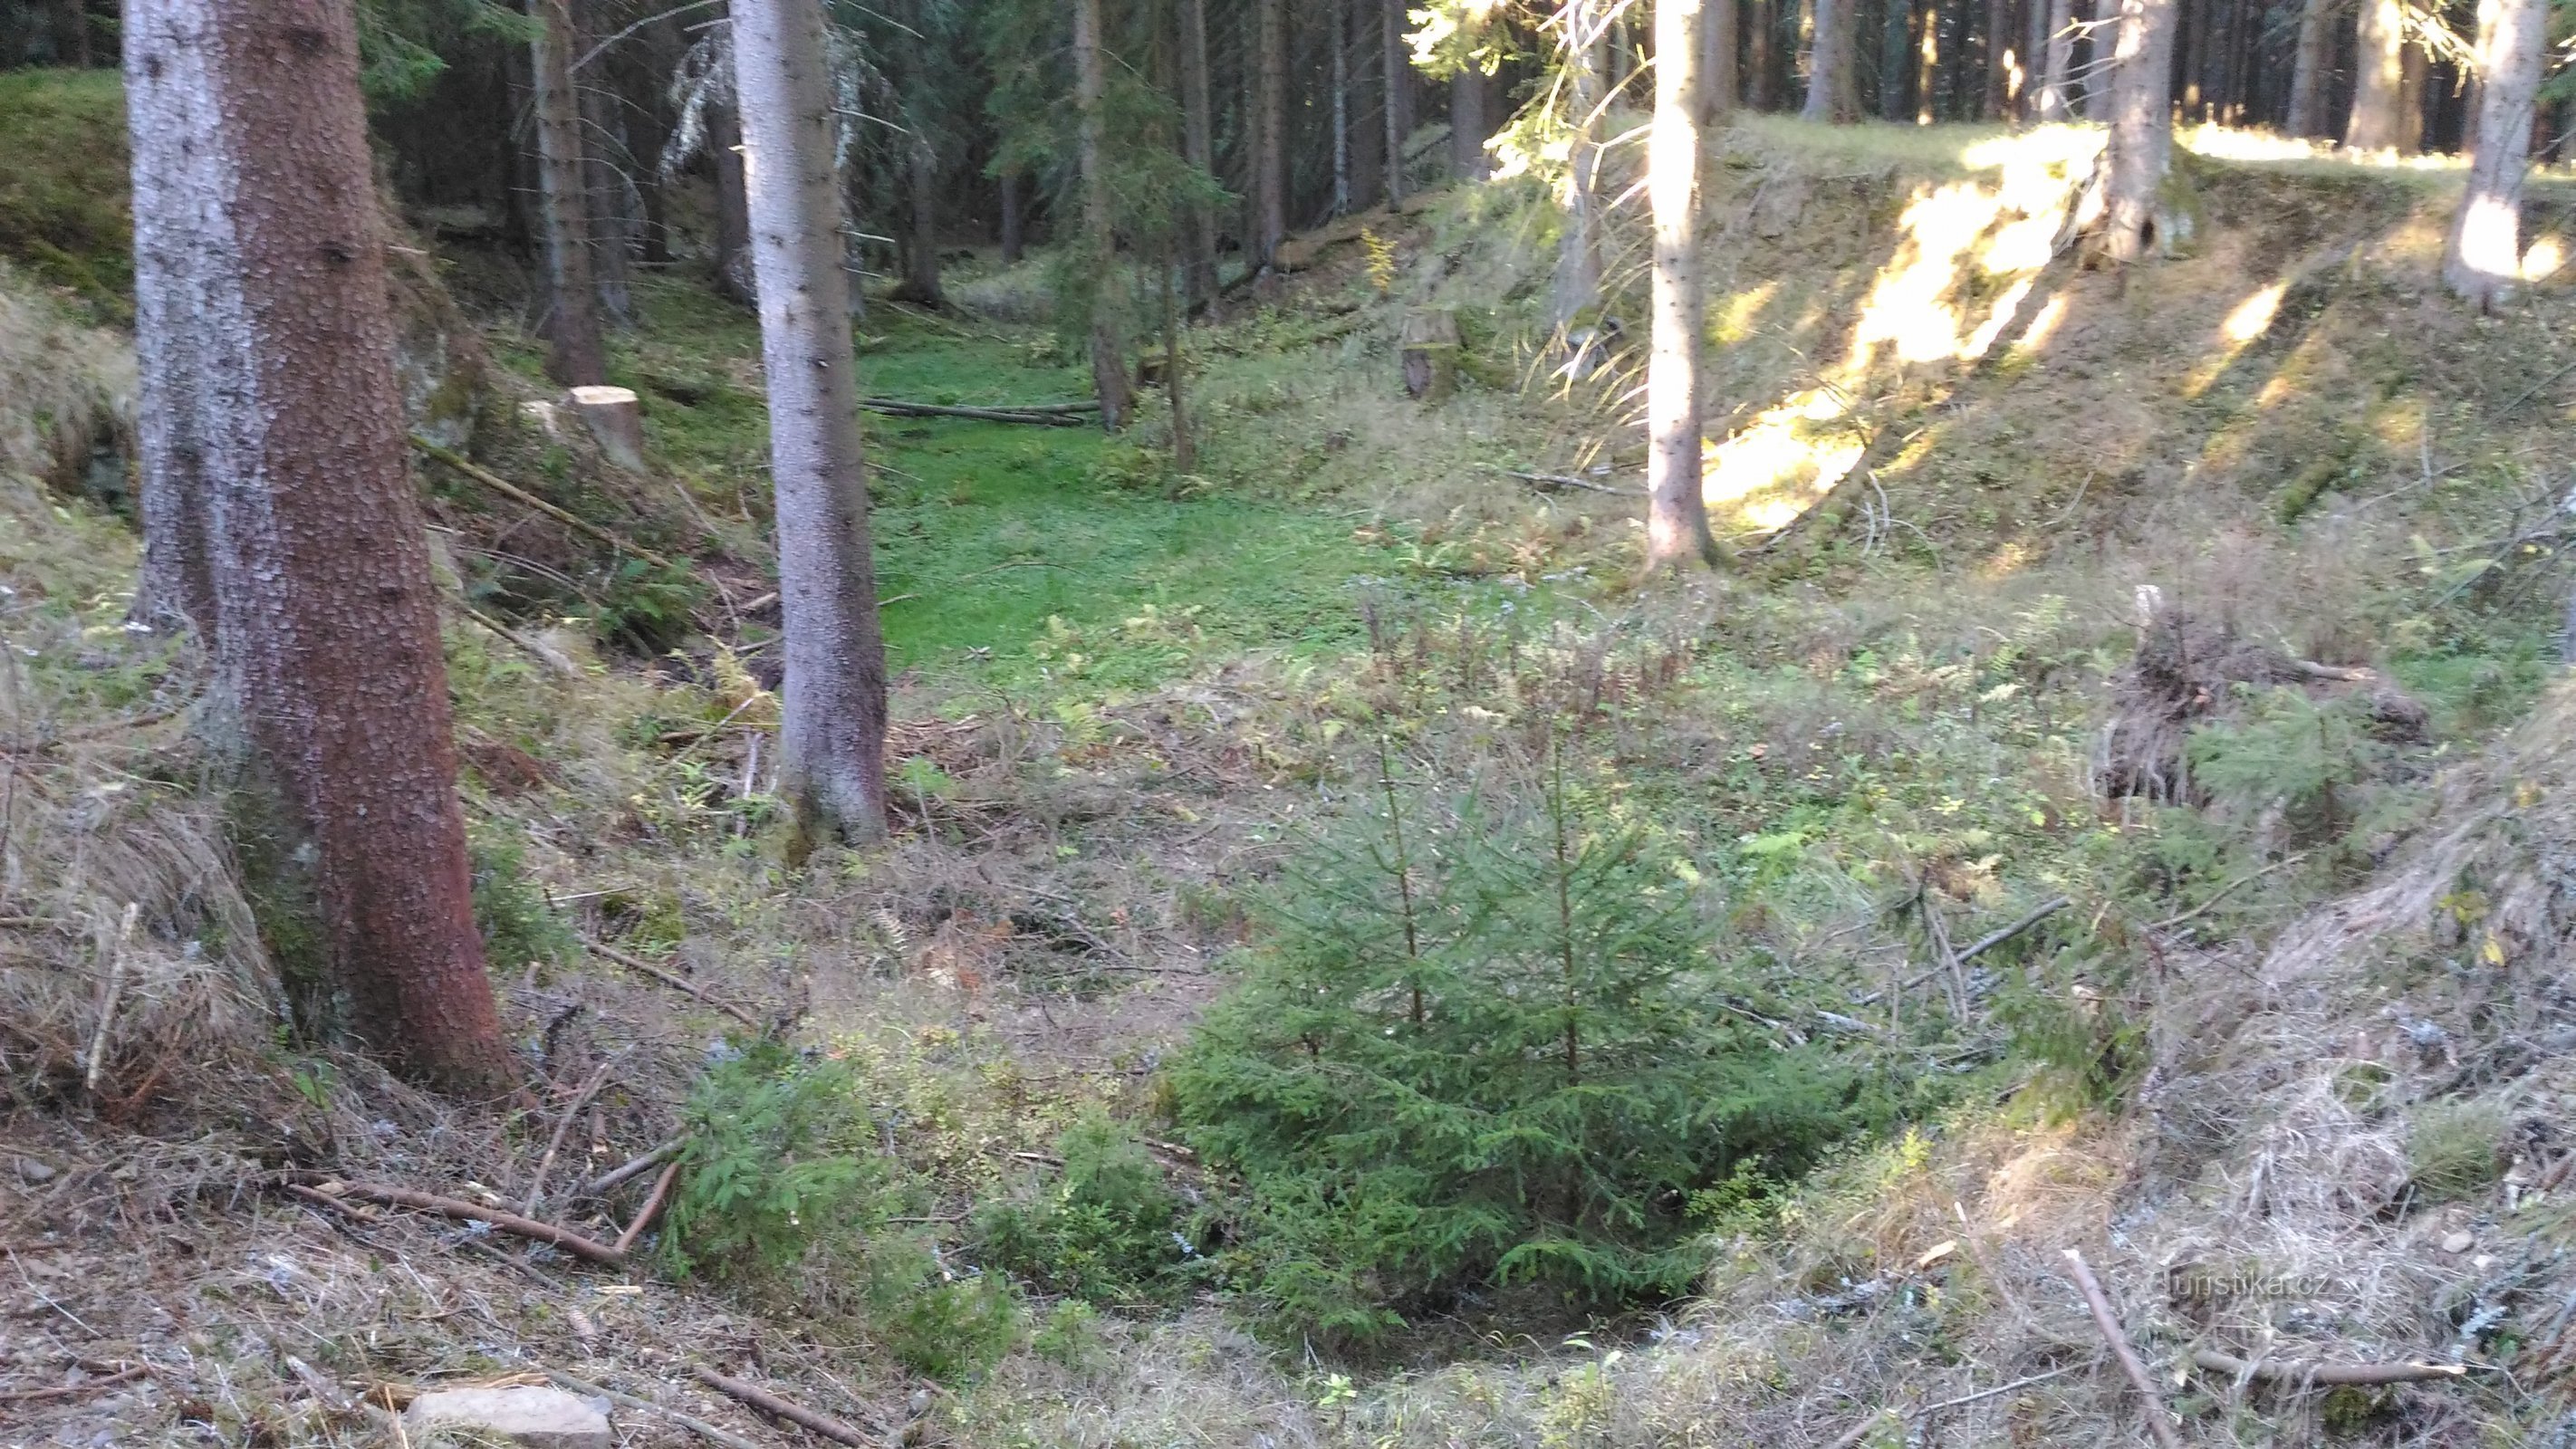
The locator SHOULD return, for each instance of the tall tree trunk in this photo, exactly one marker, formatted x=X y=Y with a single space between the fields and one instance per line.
x=2309 y=62
x=164 y=94
x=1676 y=511
x=1578 y=248
x=1014 y=223
x=2379 y=78
x=71 y=34
x=1895 y=60
x=1338 y=41
x=2000 y=60
x=1198 y=139
x=611 y=221
x=2483 y=260
x=580 y=359
x=1833 y=94
x=2141 y=145
x=2192 y=19
x=1185 y=448
x=831 y=739
x=1108 y=358
x=1468 y=127
x=1764 y=18
x=1927 y=66
x=1270 y=135
x=2057 y=78
x=921 y=244
x=1397 y=69
x=331 y=676
x=2413 y=72
x=1719 y=92
x=733 y=206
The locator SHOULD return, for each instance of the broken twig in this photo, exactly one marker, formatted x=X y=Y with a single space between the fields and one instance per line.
x=507 y=489
x=1548 y=482
x=652 y=1208
x=671 y=979
x=2109 y=1322
x=2309 y=1371
x=457 y=1207
x=563 y=1125
x=2015 y=929
x=769 y=1403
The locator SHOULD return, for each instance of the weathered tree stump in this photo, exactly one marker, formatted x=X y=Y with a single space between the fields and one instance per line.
x=1430 y=350
x=616 y=418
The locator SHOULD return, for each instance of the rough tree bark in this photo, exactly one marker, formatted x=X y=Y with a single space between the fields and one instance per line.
x=1578 y=248
x=1833 y=88
x=2057 y=78
x=2309 y=62
x=162 y=91
x=2483 y=259
x=1108 y=359
x=1718 y=90
x=1397 y=66
x=2141 y=145
x=833 y=717
x=1270 y=130
x=1198 y=141
x=2380 y=77
x=580 y=359
x=331 y=683
x=733 y=206
x=1676 y=512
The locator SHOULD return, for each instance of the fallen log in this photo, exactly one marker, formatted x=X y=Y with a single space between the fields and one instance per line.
x=769 y=1403
x=2311 y=1371
x=1033 y=416
x=457 y=1207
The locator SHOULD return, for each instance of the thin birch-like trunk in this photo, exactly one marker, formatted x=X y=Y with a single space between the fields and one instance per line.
x=1676 y=513
x=832 y=726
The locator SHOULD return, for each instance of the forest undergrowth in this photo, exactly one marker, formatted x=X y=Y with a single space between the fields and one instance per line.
x=2113 y=801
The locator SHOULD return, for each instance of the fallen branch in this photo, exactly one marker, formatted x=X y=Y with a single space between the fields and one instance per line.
x=2015 y=929
x=694 y=1425
x=2223 y=892
x=652 y=1209
x=1549 y=482
x=457 y=1207
x=507 y=489
x=563 y=1125
x=769 y=1403
x=2109 y=1322
x=2309 y=1371
x=544 y=653
x=892 y=408
x=676 y=982
x=1861 y=1430
x=65 y=1391
x=627 y=1170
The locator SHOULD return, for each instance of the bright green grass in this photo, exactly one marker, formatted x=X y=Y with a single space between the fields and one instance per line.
x=1020 y=556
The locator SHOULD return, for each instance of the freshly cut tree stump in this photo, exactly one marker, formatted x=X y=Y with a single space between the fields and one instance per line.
x=616 y=419
x=1430 y=348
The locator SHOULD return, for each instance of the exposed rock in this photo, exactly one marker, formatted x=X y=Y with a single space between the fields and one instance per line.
x=539 y=1418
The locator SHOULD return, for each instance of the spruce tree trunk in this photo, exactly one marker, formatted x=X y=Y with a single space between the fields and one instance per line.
x=921 y=244
x=2483 y=259
x=1677 y=513
x=163 y=95
x=2380 y=77
x=71 y=34
x=2413 y=71
x=580 y=359
x=1719 y=92
x=1468 y=126
x=1108 y=359
x=1895 y=60
x=1578 y=248
x=332 y=685
x=1014 y=224
x=1998 y=93
x=2141 y=145
x=1927 y=66
x=1338 y=42
x=1763 y=16
x=1832 y=92
x=1198 y=138
x=733 y=206
x=2310 y=62
x=2057 y=79
x=1270 y=129
x=612 y=224
x=832 y=727
x=1397 y=65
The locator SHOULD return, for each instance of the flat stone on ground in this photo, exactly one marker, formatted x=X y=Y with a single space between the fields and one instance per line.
x=538 y=1418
